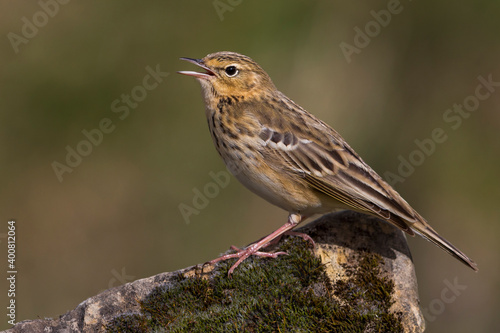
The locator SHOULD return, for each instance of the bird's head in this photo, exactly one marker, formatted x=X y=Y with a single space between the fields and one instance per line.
x=230 y=74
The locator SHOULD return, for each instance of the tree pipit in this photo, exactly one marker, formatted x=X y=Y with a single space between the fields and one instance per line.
x=291 y=158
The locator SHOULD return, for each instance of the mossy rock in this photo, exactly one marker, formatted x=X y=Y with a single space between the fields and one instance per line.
x=360 y=278
x=291 y=293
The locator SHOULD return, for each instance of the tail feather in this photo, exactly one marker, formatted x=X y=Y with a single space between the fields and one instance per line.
x=424 y=230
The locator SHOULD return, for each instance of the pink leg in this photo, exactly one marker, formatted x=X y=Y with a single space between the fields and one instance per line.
x=253 y=249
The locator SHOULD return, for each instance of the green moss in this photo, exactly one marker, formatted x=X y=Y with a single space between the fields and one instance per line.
x=369 y=293
x=288 y=294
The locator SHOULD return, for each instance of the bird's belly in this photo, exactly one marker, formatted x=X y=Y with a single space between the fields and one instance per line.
x=278 y=189
x=277 y=186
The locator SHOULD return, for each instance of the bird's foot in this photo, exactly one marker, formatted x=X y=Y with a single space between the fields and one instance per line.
x=242 y=254
x=275 y=241
x=273 y=238
x=302 y=235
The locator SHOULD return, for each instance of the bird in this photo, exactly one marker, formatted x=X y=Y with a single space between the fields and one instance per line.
x=292 y=159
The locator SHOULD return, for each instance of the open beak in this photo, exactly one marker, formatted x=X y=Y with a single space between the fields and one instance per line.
x=207 y=75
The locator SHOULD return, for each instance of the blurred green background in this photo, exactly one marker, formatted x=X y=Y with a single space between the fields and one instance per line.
x=115 y=218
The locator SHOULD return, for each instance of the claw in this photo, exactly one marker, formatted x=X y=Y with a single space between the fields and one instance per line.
x=302 y=235
x=271 y=239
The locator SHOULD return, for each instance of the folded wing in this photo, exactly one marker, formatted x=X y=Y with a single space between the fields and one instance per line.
x=337 y=171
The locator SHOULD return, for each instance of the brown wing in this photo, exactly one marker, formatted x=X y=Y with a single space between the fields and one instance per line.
x=337 y=171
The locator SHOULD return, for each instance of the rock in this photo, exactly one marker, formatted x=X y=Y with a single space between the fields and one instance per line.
x=360 y=278
x=346 y=238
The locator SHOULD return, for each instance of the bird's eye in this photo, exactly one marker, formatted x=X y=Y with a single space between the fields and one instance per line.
x=231 y=71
